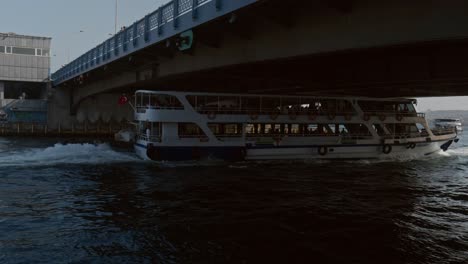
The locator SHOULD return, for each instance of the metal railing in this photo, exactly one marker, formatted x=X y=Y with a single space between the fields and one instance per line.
x=444 y=131
x=138 y=35
x=394 y=113
x=270 y=111
x=152 y=138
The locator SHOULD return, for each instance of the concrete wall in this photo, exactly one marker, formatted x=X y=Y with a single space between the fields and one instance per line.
x=102 y=108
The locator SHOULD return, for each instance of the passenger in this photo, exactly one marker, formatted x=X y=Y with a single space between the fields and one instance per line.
x=148 y=132
x=343 y=131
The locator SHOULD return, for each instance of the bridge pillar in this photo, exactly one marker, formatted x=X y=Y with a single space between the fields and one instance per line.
x=59 y=109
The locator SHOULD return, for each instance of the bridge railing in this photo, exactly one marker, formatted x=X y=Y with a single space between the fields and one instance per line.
x=146 y=31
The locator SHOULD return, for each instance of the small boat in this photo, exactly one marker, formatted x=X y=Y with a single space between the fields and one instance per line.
x=190 y=126
x=446 y=123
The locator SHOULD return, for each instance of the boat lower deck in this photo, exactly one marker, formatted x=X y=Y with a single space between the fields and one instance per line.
x=238 y=153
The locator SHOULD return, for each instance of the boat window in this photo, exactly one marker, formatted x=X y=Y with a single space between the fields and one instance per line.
x=379 y=129
x=158 y=101
x=226 y=129
x=343 y=130
x=271 y=104
x=251 y=103
x=190 y=130
x=406 y=108
x=291 y=102
x=214 y=103
x=207 y=103
x=401 y=129
x=420 y=127
x=357 y=129
x=344 y=107
x=378 y=106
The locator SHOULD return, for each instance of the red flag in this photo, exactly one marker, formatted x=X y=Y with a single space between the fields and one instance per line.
x=123 y=100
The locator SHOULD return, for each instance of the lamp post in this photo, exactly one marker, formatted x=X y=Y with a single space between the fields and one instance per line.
x=116 y=13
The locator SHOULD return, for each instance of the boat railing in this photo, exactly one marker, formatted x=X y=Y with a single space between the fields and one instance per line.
x=394 y=113
x=143 y=109
x=153 y=138
x=407 y=135
x=273 y=135
x=272 y=111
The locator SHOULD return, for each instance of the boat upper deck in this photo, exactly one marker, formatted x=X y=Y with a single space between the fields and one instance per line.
x=255 y=104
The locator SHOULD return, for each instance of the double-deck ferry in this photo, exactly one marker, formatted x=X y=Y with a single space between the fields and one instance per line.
x=190 y=126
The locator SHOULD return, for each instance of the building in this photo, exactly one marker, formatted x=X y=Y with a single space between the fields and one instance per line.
x=24 y=77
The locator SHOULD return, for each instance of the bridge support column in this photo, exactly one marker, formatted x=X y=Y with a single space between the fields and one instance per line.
x=59 y=105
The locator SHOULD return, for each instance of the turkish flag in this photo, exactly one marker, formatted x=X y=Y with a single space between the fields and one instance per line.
x=123 y=100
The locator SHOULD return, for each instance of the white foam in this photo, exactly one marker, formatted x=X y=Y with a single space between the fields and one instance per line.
x=462 y=151
x=66 y=154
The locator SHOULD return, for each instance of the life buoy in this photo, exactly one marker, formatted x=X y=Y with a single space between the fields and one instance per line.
x=366 y=117
x=323 y=150
x=312 y=115
x=274 y=115
x=253 y=116
x=412 y=145
x=399 y=117
x=382 y=117
x=211 y=115
x=387 y=149
x=331 y=116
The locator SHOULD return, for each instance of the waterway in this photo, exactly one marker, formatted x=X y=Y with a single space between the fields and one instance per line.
x=86 y=203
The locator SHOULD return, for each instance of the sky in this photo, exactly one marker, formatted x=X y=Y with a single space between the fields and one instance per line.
x=63 y=20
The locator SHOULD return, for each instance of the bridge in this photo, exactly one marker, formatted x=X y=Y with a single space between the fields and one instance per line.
x=333 y=47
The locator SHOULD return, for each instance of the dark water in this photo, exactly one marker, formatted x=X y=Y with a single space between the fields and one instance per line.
x=92 y=204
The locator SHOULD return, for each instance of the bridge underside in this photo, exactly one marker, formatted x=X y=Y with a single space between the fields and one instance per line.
x=365 y=48
x=418 y=70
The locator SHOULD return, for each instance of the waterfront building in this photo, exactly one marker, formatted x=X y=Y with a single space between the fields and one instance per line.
x=24 y=77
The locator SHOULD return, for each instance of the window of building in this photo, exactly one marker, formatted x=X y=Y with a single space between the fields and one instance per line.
x=23 y=51
x=189 y=130
x=8 y=50
x=2 y=49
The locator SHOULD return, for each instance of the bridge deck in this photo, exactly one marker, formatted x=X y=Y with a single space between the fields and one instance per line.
x=168 y=21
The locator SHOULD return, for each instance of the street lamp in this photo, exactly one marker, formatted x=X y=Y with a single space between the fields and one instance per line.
x=116 y=13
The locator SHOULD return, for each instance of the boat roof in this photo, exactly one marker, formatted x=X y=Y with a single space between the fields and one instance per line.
x=175 y=93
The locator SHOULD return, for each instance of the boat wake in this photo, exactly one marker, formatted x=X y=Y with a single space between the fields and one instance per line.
x=66 y=154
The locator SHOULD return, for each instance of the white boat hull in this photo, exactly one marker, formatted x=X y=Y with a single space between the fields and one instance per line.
x=298 y=153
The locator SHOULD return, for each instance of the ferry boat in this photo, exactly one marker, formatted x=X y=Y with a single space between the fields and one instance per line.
x=449 y=123
x=176 y=126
